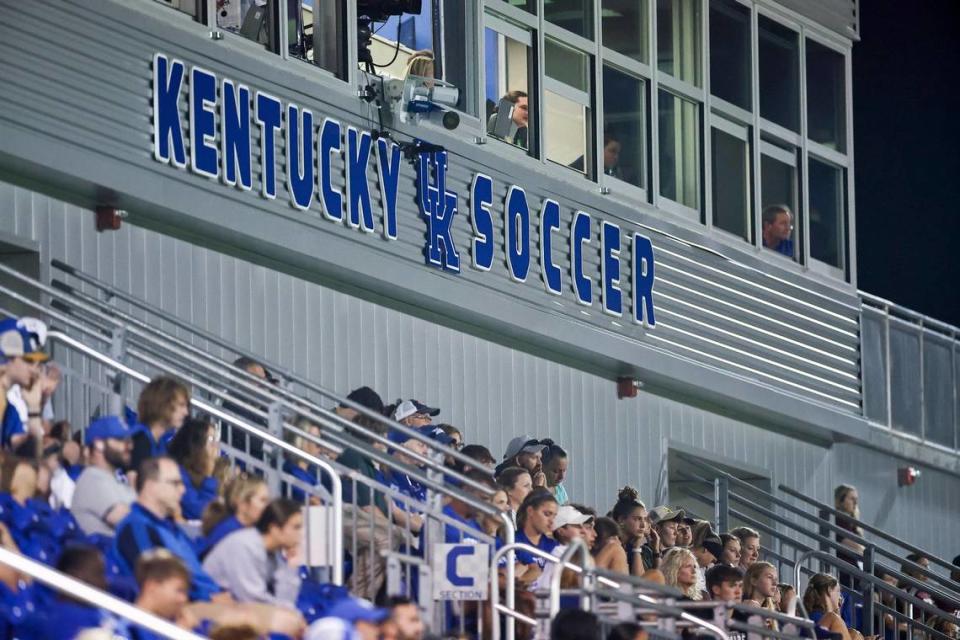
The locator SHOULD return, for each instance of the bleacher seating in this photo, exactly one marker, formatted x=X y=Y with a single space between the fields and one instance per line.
x=364 y=533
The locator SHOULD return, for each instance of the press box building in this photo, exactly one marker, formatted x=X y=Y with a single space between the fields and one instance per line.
x=276 y=195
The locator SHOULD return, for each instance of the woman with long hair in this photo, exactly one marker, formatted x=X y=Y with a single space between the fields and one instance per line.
x=162 y=407
x=244 y=499
x=846 y=500
x=822 y=601
x=607 y=549
x=517 y=483
x=679 y=568
x=555 y=469
x=196 y=448
x=760 y=587
x=535 y=528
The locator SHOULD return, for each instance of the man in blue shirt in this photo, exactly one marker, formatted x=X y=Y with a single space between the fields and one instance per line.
x=150 y=525
x=778 y=229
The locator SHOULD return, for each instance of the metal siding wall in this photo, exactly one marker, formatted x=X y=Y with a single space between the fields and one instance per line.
x=492 y=392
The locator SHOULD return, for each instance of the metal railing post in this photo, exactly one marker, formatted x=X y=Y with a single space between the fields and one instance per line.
x=118 y=348
x=825 y=532
x=721 y=503
x=867 y=589
x=275 y=427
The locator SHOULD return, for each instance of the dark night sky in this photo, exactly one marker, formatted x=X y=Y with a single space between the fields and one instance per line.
x=906 y=86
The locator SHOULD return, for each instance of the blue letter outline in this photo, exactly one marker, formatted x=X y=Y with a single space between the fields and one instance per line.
x=388 y=171
x=236 y=165
x=643 y=281
x=549 y=222
x=330 y=198
x=360 y=211
x=517 y=222
x=481 y=219
x=580 y=232
x=268 y=142
x=610 y=293
x=167 y=128
x=204 y=155
x=300 y=165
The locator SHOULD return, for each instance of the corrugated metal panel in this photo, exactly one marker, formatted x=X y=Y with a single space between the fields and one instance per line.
x=89 y=89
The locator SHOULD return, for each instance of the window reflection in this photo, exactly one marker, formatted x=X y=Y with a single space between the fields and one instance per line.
x=678 y=39
x=624 y=109
x=624 y=24
x=731 y=183
x=730 y=52
x=779 y=74
x=826 y=213
x=679 y=132
x=826 y=101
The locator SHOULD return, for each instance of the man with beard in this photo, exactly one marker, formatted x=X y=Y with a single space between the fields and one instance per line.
x=102 y=498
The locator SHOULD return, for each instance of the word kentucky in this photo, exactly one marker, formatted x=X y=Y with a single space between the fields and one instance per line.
x=313 y=147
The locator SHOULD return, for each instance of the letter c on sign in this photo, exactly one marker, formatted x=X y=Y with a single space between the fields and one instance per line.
x=452 y=576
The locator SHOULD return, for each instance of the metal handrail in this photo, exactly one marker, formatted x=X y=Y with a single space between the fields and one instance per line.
x=874 y=530
x=82 y=591
x=282 y=371
x=337 y=492
x=875 y=583
x=575 y=545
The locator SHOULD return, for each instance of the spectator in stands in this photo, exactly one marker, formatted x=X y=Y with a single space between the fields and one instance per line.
x=517 y=483
x=589 y=530
x=244 y=499
x=101 y=498
x=749 y=546
x=908 y=568
x=555 y=470
x=631 y=515
x=778 y=229
x=788 y=599
x=414 y=413
x=611 y=156
x=196 y=448
x=401 y=510
x=261 y=563
x=351 y=618
x=455 y=435
x=731 y=550
x=685 y=532
x=567 y=527
x=527 y=453
x=491 y=524
x=404 y=622
x=48 y=380
x=724 y=583
x=760 y=585
x=70 y=616
x=300 y=468
x=465 y=513
x=607 y=550
x=164 y=583
x=575 y=624
x=420 y=64
x=150 y=524
x=679 y=569
x=534 y=527
x=363 y=396
x=706 y=548
x=627 y=631
x=822 y=601
x=520 y=117
x=20 y=360
x=163 y=406
x=665 y=520
x=479 y=453
x=846 y=499
x=255 y=368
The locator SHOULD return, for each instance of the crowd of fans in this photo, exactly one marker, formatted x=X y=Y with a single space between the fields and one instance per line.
x=147 y=507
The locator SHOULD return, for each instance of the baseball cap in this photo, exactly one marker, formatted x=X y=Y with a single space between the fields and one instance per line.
x=408 y=408
x=366 y=397
x=106 y=427
x=713 y=544
x=358 y=610
x=663 y=513
x=568 y=515
x=522 y=444
x=398 y=437
x=436 y=433
x=16 y=341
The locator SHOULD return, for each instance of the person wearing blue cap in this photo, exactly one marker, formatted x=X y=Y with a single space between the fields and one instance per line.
x=400 y=481
x=350 y=618
x=20 y=359
x=101 y=499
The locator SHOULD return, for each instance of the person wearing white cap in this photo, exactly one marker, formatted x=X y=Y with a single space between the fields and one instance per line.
x=567 y=526
x=20 y=365
x=49 y=376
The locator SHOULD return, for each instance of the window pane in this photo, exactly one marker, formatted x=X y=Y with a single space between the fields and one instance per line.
x=565 y=132
x=678 y=39
x=826 y=110
x=567 y=65
x=730 y=52
x=458 y=60
x=526 y=5
x=253 y=21
x=508 y=64
x=415 y=32
x=826 y=213
x=779 y=74
x=625 y=27
x=624 y=127
x=572 y=15
x=679 y=132
x=731 y=184
x=778 y=193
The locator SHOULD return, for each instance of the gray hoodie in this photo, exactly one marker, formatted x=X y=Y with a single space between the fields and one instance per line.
x=241 y=564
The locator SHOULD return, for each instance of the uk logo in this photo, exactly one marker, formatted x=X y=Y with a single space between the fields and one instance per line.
x=438 y=206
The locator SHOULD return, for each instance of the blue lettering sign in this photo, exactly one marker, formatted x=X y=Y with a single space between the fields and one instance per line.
x=235 y=135
x=329 y=142
x=549 y=222
x=610 y=269
x=358 y=157
x=203 y=124
x=516 y=233
x=438 y=206
x=580 y=235
x=453 y=577
x=388 y=169
x=268 y=114
x=300 y=156
x=167 y=131
x=643 y=281
x=481 y=197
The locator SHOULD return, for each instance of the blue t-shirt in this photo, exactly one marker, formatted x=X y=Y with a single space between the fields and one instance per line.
x=458 y=535
x=404 y=484
x=11 y=426
x=785 y=247
x=196 y=498
x=546 y=545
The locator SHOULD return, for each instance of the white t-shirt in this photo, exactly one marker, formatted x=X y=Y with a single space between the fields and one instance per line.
x=15 y=397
